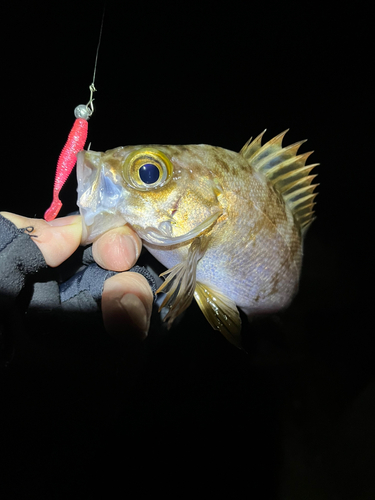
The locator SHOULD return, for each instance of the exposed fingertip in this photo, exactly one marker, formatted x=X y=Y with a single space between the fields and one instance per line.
x=132 y=250
x=126 y=318
x=116 y=250
x=127 y=306
x=135 y=309
x=59 y=239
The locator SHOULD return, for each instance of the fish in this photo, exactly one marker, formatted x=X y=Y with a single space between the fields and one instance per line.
x=229 y=227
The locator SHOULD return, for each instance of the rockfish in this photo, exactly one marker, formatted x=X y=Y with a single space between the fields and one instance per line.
x=228 y=226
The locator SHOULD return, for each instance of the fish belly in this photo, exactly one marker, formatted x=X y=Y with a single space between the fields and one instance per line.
x=260 y=276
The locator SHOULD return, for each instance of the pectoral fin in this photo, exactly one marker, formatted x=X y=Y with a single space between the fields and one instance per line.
x=180 y=284
x=220 y=312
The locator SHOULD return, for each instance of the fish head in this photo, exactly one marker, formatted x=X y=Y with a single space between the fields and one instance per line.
x=162 y=192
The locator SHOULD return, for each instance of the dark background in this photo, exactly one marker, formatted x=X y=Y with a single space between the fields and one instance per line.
x=294 y=418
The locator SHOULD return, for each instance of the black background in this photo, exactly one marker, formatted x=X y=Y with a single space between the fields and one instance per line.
x=294 y=417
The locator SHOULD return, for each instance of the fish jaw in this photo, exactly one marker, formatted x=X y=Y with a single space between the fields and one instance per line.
x=100 y=193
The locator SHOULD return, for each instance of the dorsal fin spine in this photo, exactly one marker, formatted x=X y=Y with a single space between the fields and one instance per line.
x=279 y=156
x=252 y=146
x=302 y=182
x=283 y=182
x=287 y=173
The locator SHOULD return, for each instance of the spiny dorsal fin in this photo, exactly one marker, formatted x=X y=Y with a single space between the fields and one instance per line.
x=287 y=173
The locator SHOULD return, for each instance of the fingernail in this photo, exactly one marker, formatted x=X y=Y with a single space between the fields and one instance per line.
x=136 y=311
x=126 y=238
x=65 y=221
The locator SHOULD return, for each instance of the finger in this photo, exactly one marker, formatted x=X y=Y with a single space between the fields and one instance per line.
x=126 y=306
x=117 y=249
x=57 y=240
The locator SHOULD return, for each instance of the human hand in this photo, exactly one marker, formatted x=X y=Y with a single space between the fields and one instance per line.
x=127 y=297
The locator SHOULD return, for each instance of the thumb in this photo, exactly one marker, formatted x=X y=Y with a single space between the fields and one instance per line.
x=57 y=240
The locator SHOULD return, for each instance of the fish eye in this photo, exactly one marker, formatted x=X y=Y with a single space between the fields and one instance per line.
x=149 y=173
x=146 y=169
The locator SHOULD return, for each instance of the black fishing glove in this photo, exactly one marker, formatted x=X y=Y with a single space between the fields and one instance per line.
x=75 y=287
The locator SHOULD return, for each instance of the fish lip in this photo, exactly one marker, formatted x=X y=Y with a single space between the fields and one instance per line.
x=100 y=194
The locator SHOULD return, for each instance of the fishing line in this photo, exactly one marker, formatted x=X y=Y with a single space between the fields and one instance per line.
x=75 y=143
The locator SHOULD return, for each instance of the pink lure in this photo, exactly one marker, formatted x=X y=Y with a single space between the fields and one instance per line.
x=67 y=160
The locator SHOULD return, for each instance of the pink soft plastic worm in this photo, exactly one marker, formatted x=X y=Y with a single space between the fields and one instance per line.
x=74 y=144
x=67 y=160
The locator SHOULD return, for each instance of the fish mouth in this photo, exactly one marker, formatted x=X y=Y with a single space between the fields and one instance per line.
x=100 y=193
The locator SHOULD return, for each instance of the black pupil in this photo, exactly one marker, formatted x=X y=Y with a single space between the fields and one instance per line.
x=149 y=173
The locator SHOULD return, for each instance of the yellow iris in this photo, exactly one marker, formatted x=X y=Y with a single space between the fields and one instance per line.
x=147 y=168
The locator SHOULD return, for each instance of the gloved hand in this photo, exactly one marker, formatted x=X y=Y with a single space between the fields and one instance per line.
x=27 y=246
